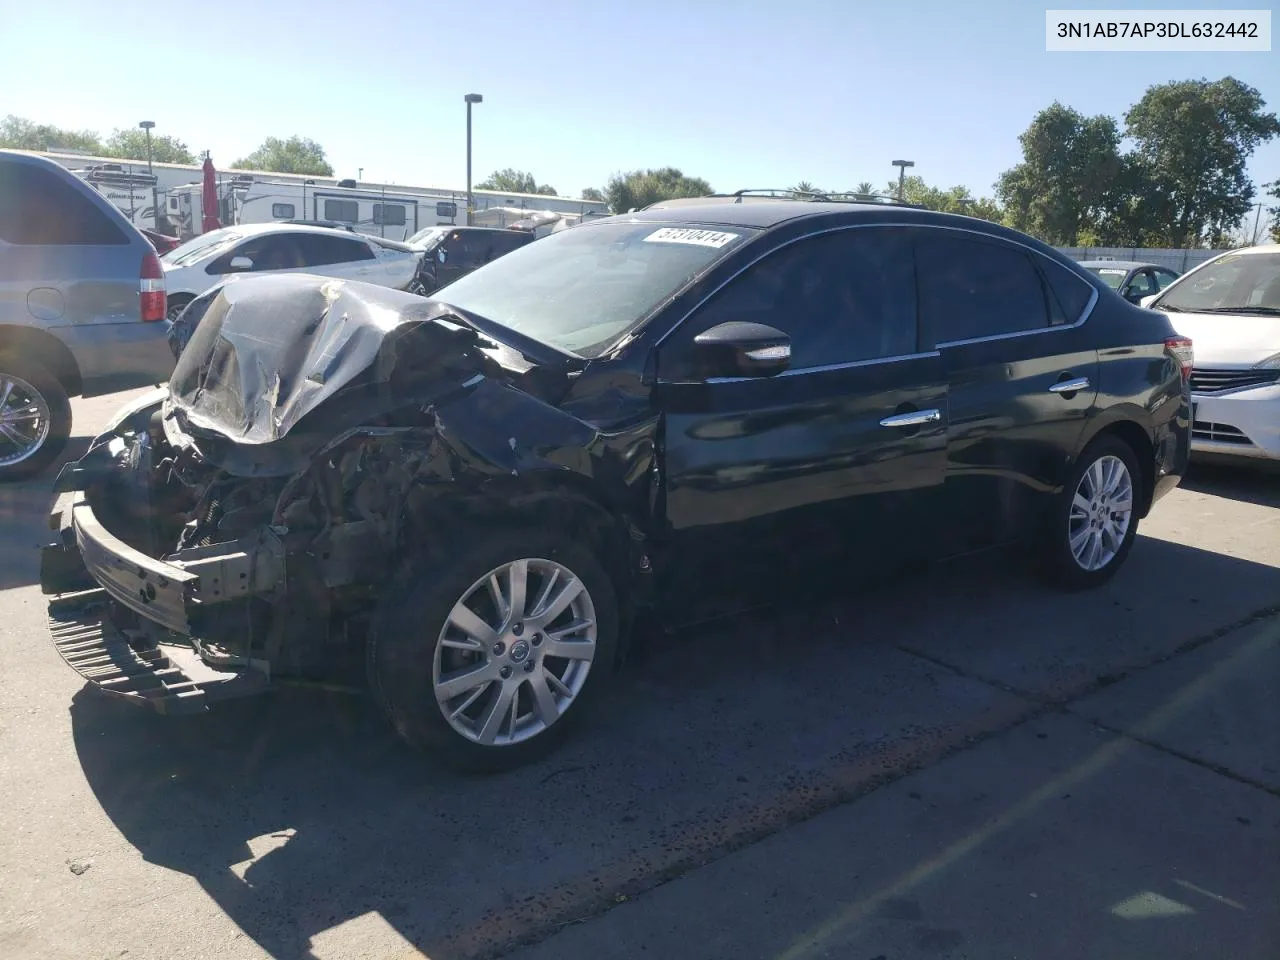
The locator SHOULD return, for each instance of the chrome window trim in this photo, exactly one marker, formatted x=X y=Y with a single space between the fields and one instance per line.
x=823 y=368
x=1084 y=314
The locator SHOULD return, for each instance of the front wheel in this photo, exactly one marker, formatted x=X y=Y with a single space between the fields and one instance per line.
x=1094 y=520
x=486 y=657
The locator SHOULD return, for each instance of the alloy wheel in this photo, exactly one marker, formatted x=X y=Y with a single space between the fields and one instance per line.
x=24 y=420
x=514 y=652
x=1101 y=512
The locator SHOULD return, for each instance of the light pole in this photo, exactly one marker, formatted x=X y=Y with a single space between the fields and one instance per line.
x=470 y=98
x=359 y=173
x=902 y=173
x=155 y=195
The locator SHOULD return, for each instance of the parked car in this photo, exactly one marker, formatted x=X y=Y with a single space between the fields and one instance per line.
x=1131 y=279
x=1230 y=306
x=81 y=307
x=257 y=248
x=455 y=253
x=676 y=411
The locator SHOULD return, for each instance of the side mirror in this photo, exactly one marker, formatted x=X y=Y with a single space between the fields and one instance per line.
x=1148 y=300
x=738 y=349
x=241 y=263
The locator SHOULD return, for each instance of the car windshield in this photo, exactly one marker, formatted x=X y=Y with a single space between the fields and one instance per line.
x=1111 y=276
x=428 y=237
x=1235 y=283
x=188 y=253
x=582 y=290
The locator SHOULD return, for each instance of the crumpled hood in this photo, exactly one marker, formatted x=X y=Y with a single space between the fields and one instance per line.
x=271 y=349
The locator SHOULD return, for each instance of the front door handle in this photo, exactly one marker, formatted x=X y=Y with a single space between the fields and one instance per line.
x=1070 y=386
x=913 y=418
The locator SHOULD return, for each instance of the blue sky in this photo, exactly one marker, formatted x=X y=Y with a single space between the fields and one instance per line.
x=745 y=94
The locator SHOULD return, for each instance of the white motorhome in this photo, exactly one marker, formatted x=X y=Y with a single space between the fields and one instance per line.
x=379 y=213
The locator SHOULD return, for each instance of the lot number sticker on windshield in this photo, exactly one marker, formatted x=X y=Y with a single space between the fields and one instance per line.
x=701 y=238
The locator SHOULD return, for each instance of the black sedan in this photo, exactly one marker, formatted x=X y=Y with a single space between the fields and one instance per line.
x=672 y=410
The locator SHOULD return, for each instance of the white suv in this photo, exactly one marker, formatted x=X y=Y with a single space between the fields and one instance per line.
x=206 y=260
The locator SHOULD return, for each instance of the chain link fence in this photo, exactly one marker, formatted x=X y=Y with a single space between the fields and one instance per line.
x=1180 y=260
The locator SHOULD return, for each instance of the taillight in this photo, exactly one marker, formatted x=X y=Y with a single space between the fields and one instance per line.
x=151 y=298
x=1181 y=349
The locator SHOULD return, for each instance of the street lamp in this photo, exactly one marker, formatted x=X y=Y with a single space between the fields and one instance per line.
x=155 y=194
x=470 y=98
x=902 y=173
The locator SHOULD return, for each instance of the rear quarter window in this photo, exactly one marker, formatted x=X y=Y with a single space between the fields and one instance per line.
x=40 y=208
x=1069 y=293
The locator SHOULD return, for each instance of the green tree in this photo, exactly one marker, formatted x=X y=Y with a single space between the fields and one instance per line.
x=132 y=145
x=957 y=199
x=804 y=186
x=591 y=193
x=1067 y=181
x=639 y=188
x=294 y=155
x=867 y=189
x=511 y=180
x=19 y=133
x=1193 y=140
x=1273 y=193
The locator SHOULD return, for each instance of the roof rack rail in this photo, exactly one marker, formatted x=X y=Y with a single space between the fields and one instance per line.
x=820 y=196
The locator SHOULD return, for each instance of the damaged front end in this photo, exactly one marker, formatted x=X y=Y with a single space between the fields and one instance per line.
x=232 y=530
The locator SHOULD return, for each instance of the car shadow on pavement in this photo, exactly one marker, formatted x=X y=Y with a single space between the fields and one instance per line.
x=1258 y=484
x=300 y=812
x=24 y=519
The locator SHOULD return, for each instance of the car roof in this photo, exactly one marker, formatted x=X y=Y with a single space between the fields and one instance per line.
x=251 y=229
x=757 y=212
x=1120 y=264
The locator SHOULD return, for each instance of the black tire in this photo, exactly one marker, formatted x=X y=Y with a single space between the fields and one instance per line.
x=175 y=306
x=407 y=629
x=1060 y=562
x=59 y=406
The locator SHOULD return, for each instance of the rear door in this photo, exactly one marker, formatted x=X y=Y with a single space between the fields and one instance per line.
x=1021 y=374
x=806 y=472
x=333 y=255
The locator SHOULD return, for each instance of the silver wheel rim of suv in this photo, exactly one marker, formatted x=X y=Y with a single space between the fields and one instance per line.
x=1101 y=511
x=514 y=652
x=24 y=420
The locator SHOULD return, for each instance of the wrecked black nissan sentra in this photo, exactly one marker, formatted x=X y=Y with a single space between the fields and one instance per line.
x=467 y=500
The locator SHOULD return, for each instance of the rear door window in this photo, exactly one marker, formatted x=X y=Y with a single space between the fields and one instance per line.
x=40 y=208
x=320 y=249
x=971 y=289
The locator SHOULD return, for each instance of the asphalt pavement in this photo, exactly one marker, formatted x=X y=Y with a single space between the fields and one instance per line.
x=963 y=764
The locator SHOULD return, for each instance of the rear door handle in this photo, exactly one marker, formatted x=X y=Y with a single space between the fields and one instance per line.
x=913 y=418
x=1070 y=386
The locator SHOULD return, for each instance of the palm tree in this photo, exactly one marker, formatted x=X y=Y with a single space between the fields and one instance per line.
x=865 y=189
x=804 y=186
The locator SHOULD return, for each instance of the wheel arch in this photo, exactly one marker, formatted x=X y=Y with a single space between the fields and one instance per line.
x=1137 y=435
x=47 y=350
x=568 y=504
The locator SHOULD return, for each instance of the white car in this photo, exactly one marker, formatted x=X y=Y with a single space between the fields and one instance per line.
x=203 y=261
x=1230 y=308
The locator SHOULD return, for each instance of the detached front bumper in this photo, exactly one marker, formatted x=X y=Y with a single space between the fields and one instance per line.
x=131 y=624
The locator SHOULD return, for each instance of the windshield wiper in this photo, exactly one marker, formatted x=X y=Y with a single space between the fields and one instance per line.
x=1260 y=311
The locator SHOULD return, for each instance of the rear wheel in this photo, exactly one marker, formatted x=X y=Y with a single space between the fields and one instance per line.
x=1094 y=520
x=176 y=306
x=487 y=658
x=35 y=418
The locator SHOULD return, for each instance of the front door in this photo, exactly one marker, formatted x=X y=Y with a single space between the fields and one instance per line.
x=1021 y=375
x=829 y=469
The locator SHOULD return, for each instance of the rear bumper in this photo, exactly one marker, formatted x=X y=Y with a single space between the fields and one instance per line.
x=118 y=356
x=131 y=624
